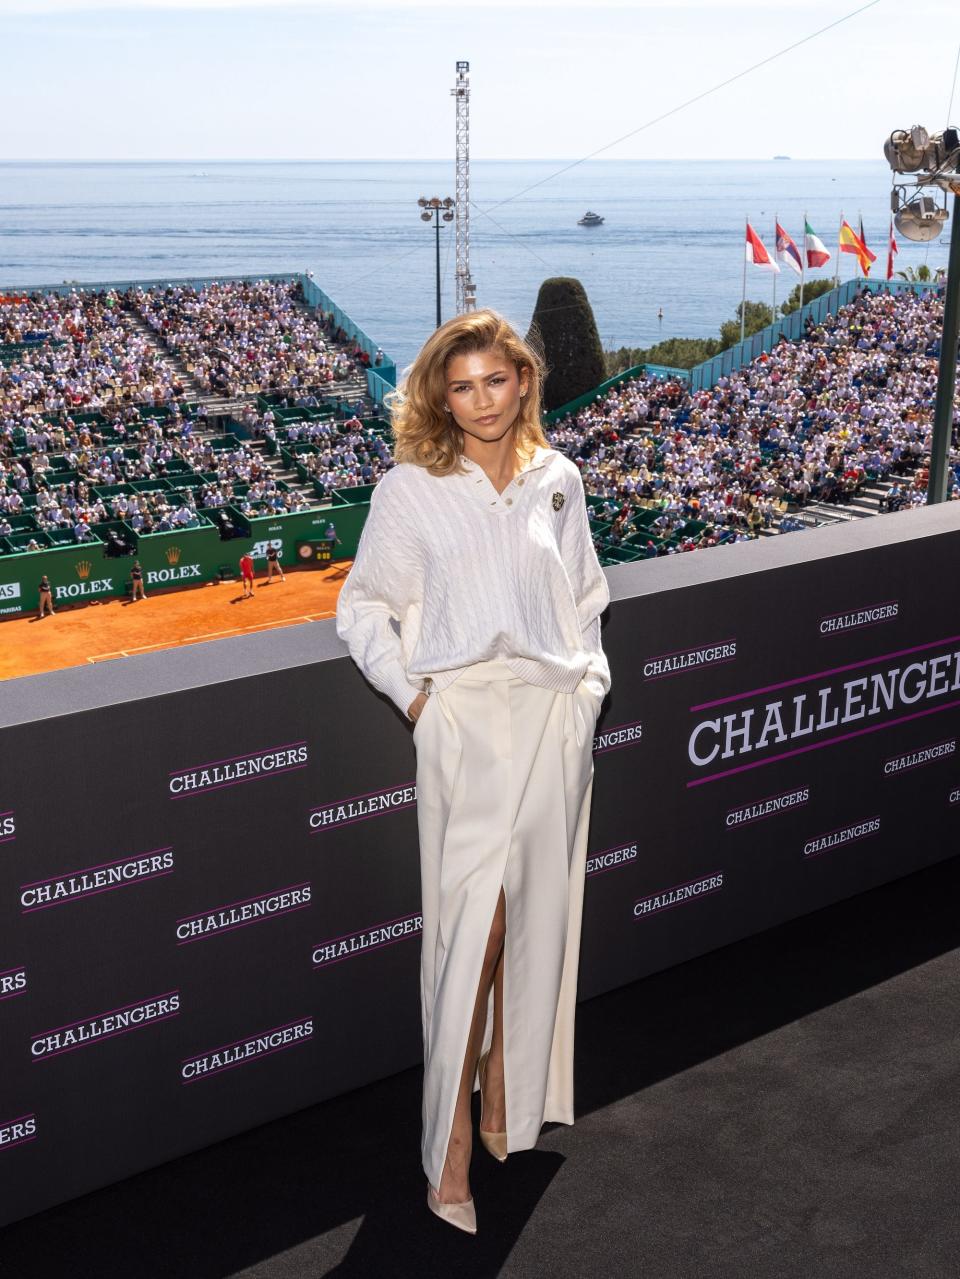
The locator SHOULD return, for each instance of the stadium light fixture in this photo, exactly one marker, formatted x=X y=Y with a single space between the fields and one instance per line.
x=432 y=211
x=921 y=219
x=932 y=160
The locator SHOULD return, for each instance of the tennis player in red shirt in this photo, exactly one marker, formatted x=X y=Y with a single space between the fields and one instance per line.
x=246 y=572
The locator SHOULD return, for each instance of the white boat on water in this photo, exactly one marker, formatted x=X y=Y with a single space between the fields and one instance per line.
x=590 y=219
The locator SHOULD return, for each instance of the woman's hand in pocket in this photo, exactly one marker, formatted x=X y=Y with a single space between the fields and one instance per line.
x=415 y=709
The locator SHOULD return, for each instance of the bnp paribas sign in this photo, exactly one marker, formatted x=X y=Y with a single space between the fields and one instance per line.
x=10 y=597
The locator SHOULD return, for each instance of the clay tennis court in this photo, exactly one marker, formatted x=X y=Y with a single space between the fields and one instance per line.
x=110 y=630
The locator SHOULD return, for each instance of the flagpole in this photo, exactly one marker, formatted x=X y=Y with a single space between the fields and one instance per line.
x=743 y=295
x=803 y=261
x=839 y=233
x=863 y=241
x=889 y=254
x=856 y=256
x=776 y=223
x=947 y=370
x=890 y=251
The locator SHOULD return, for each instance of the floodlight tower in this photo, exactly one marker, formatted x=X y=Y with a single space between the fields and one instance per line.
x=932 y=162
x=466 y=289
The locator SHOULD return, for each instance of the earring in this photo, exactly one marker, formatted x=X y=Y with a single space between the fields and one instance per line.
x=446 y=408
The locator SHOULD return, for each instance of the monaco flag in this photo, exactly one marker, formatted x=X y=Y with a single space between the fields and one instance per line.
x=817 y=255
x=787 y=251
x=757 y=254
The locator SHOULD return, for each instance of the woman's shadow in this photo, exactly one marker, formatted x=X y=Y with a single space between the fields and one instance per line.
x=399 y=1236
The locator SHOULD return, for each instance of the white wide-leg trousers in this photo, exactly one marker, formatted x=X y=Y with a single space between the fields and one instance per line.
x=504 y=786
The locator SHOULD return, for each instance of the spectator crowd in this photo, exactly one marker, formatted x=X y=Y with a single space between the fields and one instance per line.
x=54 y=477
x=88 y=401
x=810 y=421
x=237 y=337
x=335 y=455
x=76 y=353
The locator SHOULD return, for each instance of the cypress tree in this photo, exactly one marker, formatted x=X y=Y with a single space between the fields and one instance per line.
x=565 y=331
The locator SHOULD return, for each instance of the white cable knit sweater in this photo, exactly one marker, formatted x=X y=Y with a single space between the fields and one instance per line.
x=471 y=575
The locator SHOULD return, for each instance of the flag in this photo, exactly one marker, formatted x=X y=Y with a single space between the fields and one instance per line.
x=863 y=241
x=757 y=254
x=892 y=252
x=787 y=251
x=814 y=247
x=850 y=242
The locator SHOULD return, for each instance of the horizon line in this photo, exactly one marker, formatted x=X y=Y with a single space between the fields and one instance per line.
x=375 y=159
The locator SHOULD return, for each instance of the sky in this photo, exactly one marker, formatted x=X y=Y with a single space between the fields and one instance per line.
x=298 y=79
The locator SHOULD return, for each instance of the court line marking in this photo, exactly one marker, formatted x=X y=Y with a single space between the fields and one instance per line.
x=209 y=635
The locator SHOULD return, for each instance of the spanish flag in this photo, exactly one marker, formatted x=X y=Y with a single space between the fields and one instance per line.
x=850 y=242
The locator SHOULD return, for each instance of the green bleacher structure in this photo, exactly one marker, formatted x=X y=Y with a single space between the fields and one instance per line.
x=10 y=351
x=640 y=533
x=191 y=554
x=197 y=552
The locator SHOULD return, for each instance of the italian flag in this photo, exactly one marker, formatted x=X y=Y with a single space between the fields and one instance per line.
x=757 y=254
x=813 y=247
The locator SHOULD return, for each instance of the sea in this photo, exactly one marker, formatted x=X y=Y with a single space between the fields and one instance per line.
x=667 y=260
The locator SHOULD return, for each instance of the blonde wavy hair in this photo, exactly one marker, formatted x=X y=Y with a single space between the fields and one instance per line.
x=424 y=433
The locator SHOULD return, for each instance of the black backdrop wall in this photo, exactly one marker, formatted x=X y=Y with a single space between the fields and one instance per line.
x=209 y=885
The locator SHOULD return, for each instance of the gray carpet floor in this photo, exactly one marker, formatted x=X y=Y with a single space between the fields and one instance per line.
x=785 y=1107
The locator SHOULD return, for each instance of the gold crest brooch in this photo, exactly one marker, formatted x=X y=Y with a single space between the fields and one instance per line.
x=557 y=501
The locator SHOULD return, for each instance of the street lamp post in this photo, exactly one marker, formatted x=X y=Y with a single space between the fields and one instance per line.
x=925 y=162
x=941 y=437
x=431 y=210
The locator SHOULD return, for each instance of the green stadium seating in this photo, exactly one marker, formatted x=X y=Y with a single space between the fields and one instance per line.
x=13 y=351
x=23 y=523
x=620 y=555
x=353 y=496
x=64 y=537
x=17 y=542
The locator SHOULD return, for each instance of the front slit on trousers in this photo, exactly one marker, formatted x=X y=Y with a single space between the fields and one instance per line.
x=504 y=784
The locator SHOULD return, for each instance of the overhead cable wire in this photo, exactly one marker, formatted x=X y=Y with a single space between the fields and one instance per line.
x=953 y=87
x=649 y=124
x=377 y=270
x=511 y=236
x=699 y=97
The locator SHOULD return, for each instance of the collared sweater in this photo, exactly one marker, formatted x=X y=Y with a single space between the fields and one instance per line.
x=470 y=575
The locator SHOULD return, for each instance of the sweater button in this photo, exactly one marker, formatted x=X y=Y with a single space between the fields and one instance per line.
x=509 y=501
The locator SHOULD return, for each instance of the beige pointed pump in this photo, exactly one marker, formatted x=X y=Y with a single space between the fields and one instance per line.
x=462 y=1215
x=494 y=1142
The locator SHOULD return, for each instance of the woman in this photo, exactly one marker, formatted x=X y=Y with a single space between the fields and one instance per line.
x=477 y=543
